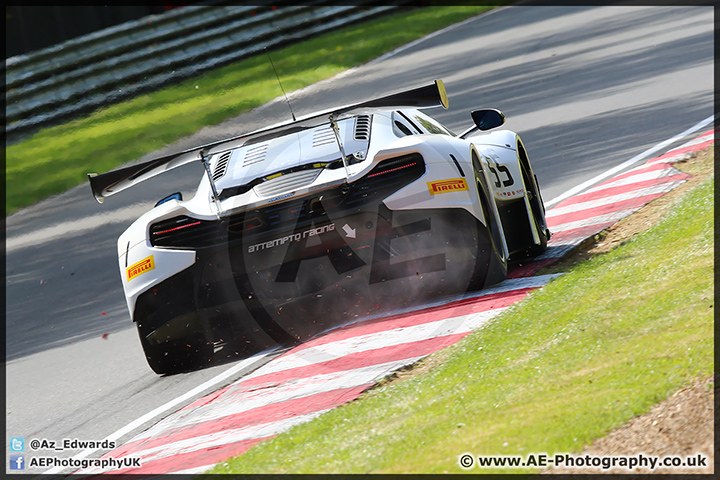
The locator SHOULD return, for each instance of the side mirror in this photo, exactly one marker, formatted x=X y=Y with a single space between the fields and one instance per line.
x=487 y=118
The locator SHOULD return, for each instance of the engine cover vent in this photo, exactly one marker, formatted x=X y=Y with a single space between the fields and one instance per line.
x=255 y=154
x=287 y=182
x=324 y=136
x=221 y=165
x=362 y=127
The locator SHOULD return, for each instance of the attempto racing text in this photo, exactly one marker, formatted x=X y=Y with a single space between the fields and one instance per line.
x=294 y=237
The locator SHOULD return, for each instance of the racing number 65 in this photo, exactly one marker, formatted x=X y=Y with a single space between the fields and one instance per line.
x=503 y=169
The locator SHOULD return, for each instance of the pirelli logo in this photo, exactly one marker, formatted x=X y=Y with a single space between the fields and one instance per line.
x=140 y=267
x=447 y=186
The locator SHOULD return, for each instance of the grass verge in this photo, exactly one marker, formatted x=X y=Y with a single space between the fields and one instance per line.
x=60 y=157
x=602 y=344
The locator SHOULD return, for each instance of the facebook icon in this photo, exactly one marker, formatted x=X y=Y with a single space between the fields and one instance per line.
x=17 y=462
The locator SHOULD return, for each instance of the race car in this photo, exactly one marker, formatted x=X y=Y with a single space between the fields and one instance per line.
x=317 y=222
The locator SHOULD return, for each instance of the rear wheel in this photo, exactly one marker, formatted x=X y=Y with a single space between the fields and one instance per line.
x=167 y=355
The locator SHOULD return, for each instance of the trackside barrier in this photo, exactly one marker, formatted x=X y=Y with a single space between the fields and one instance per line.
x=56 y=84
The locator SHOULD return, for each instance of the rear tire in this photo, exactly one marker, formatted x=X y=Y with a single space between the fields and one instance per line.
x=177 y=355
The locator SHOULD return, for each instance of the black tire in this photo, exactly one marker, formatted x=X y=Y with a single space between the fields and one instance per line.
x=177 y=355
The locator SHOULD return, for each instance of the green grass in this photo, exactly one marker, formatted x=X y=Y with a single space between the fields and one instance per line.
x=603 y=343
x=59 y=158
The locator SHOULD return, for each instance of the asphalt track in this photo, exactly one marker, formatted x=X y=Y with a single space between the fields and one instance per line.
x=587 y=88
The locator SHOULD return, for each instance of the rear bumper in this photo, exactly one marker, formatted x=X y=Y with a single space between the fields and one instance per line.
x=289 y=292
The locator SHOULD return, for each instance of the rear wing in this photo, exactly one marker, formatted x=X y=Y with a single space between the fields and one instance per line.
x=110 y=183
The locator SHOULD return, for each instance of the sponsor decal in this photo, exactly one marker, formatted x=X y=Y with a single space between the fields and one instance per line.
x=293 y=237
x=281 y=197
x=447 y=186
x=140 y=267
x=511 y=193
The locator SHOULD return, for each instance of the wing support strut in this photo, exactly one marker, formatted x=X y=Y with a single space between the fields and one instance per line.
x=336 y=131
x=205 y=159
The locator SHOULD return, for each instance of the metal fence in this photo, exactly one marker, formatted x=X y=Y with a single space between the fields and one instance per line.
x=56 y=84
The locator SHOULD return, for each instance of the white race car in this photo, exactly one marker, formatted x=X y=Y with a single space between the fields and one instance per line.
x=313 y=223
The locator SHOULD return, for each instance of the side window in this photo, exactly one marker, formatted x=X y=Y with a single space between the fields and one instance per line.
x=402 y=126
x=431 y=125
